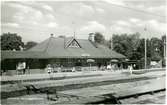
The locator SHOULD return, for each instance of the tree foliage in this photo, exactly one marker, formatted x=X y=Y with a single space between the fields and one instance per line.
x=30 y=44
x=133 y=46
x=11 y=41
x=156 y=48
x=126 y=44
x=99 y=38
x=163 y=38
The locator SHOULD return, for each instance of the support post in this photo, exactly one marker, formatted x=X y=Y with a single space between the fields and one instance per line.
x=145 y=53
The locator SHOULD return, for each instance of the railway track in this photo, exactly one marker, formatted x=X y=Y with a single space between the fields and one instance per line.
x=149 y=97
x=125 y=95
x=77 y=86
x=157 y=97
x=132 y=90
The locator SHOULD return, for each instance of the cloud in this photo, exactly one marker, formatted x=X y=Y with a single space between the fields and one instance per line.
x=153 y=25
x=157 y=26
x=88 y=16
x=120 y=29
x=26 y=14
x=77 y=10
x=100 y=10
x=134 y=20
x=83 y=10
x=93 y=26
x=31 y=17
x=157 y=9
x=50 y=16
x=123 y=23
x=47 y=7
x=15 y=25
x=86 y=9
x=52 y=24
x=117 y=2
x=127 y=26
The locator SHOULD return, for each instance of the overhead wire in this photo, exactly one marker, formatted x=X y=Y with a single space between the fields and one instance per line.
x=137 y=10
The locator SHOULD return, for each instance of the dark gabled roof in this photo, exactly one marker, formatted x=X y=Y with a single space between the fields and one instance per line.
x=21 y=54
x=56 y=47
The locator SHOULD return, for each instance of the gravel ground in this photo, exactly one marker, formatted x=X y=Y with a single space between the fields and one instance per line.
x=112 y=88
x=82 y=80
x=90 y=92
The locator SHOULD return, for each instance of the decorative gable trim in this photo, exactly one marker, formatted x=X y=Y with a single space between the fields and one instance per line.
x=73 y=44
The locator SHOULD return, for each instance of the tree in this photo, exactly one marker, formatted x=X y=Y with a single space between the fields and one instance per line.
x=30 y=44
x=127 y=44
x=11 y=41
x=99 y=38
x=156 y=48
x=119 y=43
x=141 y=48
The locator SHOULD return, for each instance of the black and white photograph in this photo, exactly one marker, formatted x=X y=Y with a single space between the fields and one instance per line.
x=83 y=52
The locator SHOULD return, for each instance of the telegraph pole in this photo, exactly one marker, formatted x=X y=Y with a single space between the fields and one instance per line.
x=145 y=46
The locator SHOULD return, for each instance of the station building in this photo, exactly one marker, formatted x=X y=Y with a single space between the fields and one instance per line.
x=62 y=51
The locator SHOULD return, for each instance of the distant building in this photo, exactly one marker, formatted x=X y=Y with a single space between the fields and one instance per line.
x=61 y=51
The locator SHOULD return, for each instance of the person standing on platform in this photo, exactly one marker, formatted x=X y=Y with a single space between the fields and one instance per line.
x=130 y=69
x=24 y=67
x=49 y=69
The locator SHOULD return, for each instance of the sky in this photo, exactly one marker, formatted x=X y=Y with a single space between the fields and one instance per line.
x=36 y=20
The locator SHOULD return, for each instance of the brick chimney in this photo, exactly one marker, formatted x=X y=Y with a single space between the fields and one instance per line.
x=51 y=35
